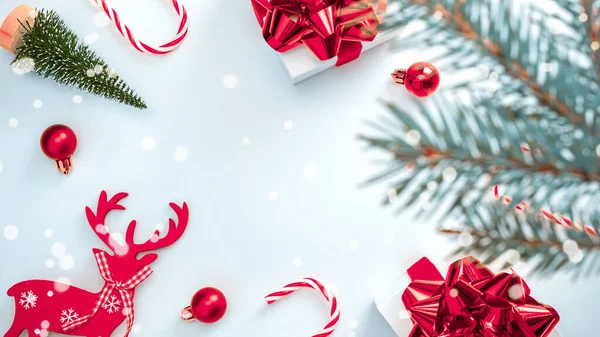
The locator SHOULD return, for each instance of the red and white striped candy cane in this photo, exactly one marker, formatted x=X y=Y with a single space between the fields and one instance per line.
x=334 y=311
x=141 y=46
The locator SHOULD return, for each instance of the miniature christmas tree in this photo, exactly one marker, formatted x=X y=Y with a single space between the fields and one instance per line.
x=43 y=43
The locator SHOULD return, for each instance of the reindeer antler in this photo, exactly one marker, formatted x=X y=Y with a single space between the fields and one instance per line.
x=174 y=233
x=96 y=221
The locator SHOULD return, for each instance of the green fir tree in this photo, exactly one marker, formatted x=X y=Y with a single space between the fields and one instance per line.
x=56 y=53
x=520 y=110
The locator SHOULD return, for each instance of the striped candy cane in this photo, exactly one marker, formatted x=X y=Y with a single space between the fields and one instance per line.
x=334 y=311
x=141 y=46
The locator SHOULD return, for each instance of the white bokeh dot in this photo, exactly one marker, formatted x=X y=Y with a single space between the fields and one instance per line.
x=335 y=289
x=23 y=66
x=246 y=141
x=230 y=81
x=454 y=292
x=37 y=104
x=181 y=153
x=90 y=73
x=13 y=122
x=570 y=247
x=50 y=263
x=148 y=143
x=465 y=239
x=354 y=244
x=45 y=324
x=160 y=226
x=11 y=232
x=352 y=324
x=66 y=262
x=515 y=292
x=62 y=284
x=77 y=99
x=91 y=38
x=136 y=328
x=58 y=249
x=36 y=331
x=311 y=170
x=339 y=232
x=48 y=233
x=288 y=125
x=101 y=19
x=50 y=293
x=449 y=174
x=273 y=195
x=576 y=257
x=297 y=262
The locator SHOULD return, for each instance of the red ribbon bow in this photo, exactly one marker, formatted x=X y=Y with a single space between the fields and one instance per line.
x=328 y=28
x=473 y=302
x=125 y=290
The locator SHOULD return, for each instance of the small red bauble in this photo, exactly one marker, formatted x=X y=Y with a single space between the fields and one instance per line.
x=421 y=79
x=59 y=142
x=207 y=306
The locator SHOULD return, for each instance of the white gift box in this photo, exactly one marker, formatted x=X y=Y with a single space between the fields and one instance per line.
x=389 y=303
x=301 y=63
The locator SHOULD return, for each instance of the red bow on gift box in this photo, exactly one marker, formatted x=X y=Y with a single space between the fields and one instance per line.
x=328 y=28
x=473 y=302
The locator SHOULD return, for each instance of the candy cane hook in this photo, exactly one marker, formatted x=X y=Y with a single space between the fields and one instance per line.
x=141 y=46
x=334 y=311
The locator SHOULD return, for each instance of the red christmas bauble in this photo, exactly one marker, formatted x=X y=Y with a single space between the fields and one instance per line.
x=59 y=142
x=209 y=305
x=422 y=79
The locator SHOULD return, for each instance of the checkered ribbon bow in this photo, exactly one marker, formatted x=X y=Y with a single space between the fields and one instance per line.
x=125 y=289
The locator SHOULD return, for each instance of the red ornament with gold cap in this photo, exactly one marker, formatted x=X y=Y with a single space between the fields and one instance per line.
x=59 y=142
x=421 y=79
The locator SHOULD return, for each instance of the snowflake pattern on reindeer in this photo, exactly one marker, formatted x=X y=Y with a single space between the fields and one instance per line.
x=112 y=304
x=28 y=300
x=68 y=316
x=77 y=312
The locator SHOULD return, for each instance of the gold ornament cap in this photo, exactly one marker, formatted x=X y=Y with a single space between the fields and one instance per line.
x=11 y=31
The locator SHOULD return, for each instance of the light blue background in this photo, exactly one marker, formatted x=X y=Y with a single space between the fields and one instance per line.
x=238 y=239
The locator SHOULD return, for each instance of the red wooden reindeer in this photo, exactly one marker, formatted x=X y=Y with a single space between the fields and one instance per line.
x=47 y=306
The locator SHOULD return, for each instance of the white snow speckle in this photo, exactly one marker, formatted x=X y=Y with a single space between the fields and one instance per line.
x=246 y=141
x=136 y=328
x=50 y=263
x=101 y=19
x=311 y=170
x=98 y=69
x=66 y=262
x=273 y=195
x=77 y=99
x=91 y=38
x=50 y=293
x=354 y=244
x=11 y=232
x=181 y=153
x=59 y=249
x=339 y=232
x=62 y=284
x=352 y=324
x=90 y=73
x=48 y=233
x=37 y=104
x=148 y=143
x=230 y=81
x=13 y=122
x=297 y=262
x=23 y=66
x=288 y=125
